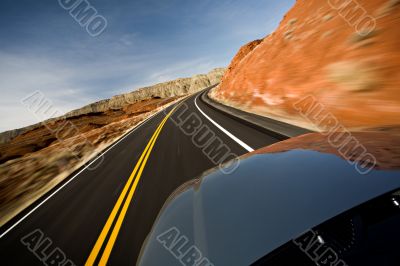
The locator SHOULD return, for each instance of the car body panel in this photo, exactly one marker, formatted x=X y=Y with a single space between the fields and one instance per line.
x=235 y=219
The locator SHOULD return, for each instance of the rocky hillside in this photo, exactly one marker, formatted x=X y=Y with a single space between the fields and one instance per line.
x=168 y=89
x=343 y=54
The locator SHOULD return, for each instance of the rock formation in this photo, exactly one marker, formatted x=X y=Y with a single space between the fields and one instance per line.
x=343 y=54
x=168 y=89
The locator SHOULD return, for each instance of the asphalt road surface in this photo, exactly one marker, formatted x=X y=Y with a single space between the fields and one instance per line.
x=102 y=216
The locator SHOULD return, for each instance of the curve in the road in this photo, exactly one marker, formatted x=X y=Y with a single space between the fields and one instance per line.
x=229 y=134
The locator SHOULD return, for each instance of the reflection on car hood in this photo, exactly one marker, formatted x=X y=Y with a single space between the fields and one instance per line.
x=268 y=200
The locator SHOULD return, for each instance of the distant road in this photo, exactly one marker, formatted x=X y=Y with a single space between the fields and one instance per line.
x=104 y=215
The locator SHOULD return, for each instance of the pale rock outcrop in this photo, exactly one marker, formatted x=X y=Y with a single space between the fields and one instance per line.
x=173 y=88
x=167 y=89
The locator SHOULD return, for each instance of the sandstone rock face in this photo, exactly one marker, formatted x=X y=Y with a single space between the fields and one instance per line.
x=243 y=52
x=344 y=54
x=168 y=89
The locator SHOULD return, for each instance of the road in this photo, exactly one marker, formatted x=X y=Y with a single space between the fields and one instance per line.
x=104 y=215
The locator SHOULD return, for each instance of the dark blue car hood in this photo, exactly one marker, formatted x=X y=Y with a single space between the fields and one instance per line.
x=268 y=200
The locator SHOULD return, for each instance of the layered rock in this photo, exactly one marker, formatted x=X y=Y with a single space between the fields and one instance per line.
x=344 y=54
x=168 y=89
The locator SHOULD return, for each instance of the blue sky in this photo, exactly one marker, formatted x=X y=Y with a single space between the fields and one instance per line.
x=146 y=41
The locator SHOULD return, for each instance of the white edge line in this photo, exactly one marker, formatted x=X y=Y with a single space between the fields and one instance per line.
x=72 y=178
x=233 y=137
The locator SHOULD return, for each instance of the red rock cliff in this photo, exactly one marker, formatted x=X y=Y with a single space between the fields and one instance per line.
x=344 y=54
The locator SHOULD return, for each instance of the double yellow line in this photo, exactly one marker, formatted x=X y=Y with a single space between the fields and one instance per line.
x=129 y=188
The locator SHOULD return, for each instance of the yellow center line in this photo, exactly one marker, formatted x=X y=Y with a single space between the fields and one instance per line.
x=99 y=243
x=117 y=206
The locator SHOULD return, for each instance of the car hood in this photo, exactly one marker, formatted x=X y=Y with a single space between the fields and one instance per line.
x=237 y=218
